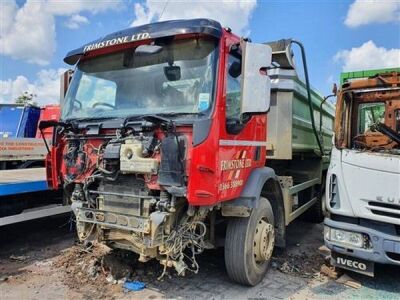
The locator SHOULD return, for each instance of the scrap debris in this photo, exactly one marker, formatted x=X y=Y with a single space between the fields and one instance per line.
x=96 y=263
x=312 y=266
x=331 y=272
x=324 y=250
x=347 y=280
x=100 y=266
x=104 y=269
x=19 y=257
x=303 y=264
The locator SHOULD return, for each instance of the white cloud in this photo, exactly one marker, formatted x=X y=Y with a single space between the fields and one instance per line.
x=368 y=56
x=28 y=32
x=68 y=8
x=46 y=87
x=8 y=10
x=75 y=21
x=362 y=12
x=234 y=14
x=330 y=79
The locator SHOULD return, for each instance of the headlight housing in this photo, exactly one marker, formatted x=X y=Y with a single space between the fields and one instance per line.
x=344 y=237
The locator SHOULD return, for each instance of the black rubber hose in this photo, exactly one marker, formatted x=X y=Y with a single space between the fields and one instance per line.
x=310 y=104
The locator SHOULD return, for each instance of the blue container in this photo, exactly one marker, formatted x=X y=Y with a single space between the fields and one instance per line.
x=18 y=121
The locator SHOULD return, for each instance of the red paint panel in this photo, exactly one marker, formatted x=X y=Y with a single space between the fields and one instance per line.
x=210 y=182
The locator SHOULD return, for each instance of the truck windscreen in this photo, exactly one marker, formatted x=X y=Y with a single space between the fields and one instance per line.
x=177 y=79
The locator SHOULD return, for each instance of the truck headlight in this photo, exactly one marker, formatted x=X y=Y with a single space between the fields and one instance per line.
x=344 y=237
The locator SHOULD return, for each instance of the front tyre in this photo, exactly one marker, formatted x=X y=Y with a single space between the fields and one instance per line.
x=249 y=243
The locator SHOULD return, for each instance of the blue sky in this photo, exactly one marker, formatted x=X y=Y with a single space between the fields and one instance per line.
x=338 y=35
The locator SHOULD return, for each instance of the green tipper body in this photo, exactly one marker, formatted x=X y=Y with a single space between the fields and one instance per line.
x=289 y=129
x=364 y=74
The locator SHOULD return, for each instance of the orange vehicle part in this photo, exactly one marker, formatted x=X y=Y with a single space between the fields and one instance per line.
x=382 y=88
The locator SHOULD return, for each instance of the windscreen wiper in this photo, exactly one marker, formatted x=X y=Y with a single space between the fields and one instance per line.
x=167 y=118
x=386 y=130
x=89 y=119
x=130 y=118
x=177 y=114
x=158 y=118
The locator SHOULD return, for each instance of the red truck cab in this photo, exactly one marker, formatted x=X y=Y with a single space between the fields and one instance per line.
x=162 y=146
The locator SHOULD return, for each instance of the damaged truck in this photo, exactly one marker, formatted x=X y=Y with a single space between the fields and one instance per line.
x=363 y=182
x=180 y=136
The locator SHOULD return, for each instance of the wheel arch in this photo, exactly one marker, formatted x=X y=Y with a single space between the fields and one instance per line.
x=261 y=182
x=273 y=192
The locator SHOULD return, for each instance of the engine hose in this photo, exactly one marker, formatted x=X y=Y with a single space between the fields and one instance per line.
x=310 y=104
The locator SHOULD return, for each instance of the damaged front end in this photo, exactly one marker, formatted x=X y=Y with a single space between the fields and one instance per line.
x=123 y=156
x=129 y=192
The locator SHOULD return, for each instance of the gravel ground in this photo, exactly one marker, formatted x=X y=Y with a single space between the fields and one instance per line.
x=41 y=260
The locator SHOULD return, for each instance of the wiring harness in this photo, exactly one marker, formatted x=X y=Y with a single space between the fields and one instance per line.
x=189 y=235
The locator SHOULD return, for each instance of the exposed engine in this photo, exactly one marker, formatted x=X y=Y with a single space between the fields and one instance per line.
x=129 y=192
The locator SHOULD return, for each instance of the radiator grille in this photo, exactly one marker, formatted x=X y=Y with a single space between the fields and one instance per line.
x=123 y=195
x=384 y=209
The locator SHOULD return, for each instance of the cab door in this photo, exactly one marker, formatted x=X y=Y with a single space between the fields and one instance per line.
x=242 y=143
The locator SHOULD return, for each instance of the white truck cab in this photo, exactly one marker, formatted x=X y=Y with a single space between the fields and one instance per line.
x=363 y=179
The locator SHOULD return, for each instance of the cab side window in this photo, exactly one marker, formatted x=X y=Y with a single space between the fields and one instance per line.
x=233 y=95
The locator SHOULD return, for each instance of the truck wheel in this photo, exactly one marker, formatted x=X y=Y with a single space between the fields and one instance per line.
x=249 y=243
x=315 y=214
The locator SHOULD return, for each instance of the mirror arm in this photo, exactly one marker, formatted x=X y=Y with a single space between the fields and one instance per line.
x=320 y=113
x=235 y=50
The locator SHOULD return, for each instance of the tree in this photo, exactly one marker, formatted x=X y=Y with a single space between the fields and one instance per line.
x=26 y=98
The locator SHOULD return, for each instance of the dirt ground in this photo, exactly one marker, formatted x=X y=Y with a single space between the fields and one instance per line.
x=41 y=260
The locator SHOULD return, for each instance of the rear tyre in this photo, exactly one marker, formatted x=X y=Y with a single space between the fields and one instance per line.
x=315 y=214
x=249 y=243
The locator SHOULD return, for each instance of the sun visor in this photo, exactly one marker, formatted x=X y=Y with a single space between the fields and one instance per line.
x=149 y=31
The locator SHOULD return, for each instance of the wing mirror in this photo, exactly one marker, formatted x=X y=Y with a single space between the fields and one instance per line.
x=256 y=85
x=334 y=89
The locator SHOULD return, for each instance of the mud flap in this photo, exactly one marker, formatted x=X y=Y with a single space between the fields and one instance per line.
x=351 y=263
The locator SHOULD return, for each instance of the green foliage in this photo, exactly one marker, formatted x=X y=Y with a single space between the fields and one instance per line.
x=25 y=99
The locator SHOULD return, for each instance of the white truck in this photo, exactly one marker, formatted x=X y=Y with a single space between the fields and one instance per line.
x=363 y=181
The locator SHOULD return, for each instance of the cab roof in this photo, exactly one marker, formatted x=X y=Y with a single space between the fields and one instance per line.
x=148 y=31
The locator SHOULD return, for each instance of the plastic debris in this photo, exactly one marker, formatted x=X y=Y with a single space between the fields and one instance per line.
x=324 y=250
x=134 y=285
x=19 y=257
x=331 y=272
x=111 y=279
x=347 y=280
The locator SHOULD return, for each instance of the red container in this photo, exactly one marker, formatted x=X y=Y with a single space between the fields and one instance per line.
x=48 y=112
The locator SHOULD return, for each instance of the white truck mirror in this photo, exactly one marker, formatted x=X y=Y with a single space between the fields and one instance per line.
x=256 y=85
x=65 y=80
